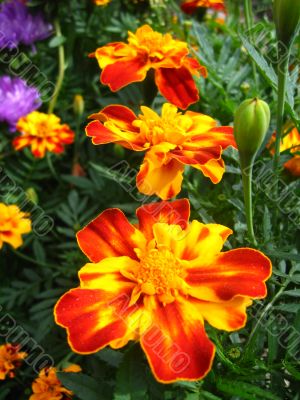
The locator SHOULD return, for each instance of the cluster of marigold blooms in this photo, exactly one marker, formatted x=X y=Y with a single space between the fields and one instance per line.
x=46 y=385
x=159 y=280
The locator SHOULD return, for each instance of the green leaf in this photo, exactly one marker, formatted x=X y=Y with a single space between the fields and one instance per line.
x=83 y=386
x=57 y=41
x=245 y=391
x=131 y=381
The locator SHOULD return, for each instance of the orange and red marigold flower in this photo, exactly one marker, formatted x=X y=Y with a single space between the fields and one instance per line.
x=42 y=133
x=291 y=142
x=189 y=6
x=157 y=282
x=124 y=63
x=11 y=358
x=171 y=141
x=13 y=224
x=47 y=386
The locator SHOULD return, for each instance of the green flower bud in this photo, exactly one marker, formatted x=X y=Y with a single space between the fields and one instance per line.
x=78 y=105
x=251 y=123
x=32 y=195
x=287 y=19
x=119 y=151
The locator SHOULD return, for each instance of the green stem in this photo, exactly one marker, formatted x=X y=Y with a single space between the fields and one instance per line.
x=247 y=187
x=61 y=70
x=283 y=63
x=249 y=25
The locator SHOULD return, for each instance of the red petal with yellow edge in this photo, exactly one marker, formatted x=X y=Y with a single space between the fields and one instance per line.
x=239 y=272
x=157 y=177
x=100 y=134
x=121 y=116
x=194 y=157
x=176 y=345
x=121 y=73
x=176 y=212
x=228 y=315
x=109 y=235
x=92 y=317
x=177 y=86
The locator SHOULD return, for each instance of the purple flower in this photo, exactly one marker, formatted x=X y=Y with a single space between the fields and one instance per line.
x=17 y=25
x=17 y=99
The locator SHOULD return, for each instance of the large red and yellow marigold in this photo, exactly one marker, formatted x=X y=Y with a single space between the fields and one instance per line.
x=189 y=6
x=13 y=224
x=11 y=358
x=291 y=142
x=157 y=282
x=171 y=141
x=42 y=133
x=124 y=63
x=48 y=387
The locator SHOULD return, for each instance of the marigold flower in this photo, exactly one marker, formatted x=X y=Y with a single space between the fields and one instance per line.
x=171 y=141
x=189 y=6
x=48 y=386
x=291 y=142
x=42 y=132
x=124 y=63
x=13 y=224
x=10 y=356
x=157 y=282
x=101 y=2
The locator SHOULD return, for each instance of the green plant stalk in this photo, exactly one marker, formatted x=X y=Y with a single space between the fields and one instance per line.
x=249 y=24
x=61 y=70
x=247 y=172
x=282 y=80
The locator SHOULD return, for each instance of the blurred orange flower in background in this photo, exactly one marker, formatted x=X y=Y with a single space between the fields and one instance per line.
x=189 y=6
x=10 y=358
x=42 y=133
x=157 y=282
x=48 y=387
x=124 y=63
x=291 y=142
x=13 y=224
x=171 y=141
x=101 y=2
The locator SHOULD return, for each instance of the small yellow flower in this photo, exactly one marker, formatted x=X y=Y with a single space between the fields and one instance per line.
x=48 y=386
x=10 y=359
x=13 y=223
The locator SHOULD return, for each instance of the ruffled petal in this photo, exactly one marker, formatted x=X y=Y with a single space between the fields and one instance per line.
x=160 y=176
x=176 y=345
x=177 y=85
x=239 y=272
x=176 y=213
x=109 y=235
x=121 y=73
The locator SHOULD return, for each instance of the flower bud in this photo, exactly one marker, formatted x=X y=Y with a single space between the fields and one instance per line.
x=32 y=195
x=286 y=18
x=78 y=105
x=251 y=123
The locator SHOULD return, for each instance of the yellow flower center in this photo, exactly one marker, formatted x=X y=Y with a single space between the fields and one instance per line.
x=160 y=274
x=172 y=127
